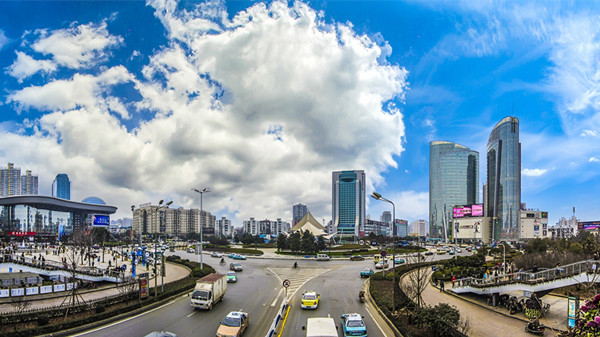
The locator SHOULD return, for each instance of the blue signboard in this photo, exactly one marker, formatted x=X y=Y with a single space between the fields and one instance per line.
x=100 y=220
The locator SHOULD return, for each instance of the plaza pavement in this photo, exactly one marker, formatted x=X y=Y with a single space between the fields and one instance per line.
x=173 y=272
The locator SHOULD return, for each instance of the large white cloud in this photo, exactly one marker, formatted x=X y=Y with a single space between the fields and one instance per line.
x=262 y=108
x=77 y=46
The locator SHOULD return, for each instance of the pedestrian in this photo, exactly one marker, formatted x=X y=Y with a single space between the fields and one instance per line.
x=453 y=280
x=441 y=285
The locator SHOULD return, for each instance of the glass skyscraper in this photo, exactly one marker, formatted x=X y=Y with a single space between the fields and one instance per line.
x=504 y=179
x=348 y=202
x=453 y=180
x=298 y=212
x=61 y=187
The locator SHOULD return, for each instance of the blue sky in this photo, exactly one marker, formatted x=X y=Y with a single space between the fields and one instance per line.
x=139 y=101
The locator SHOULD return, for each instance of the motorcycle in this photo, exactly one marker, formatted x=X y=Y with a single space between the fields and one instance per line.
x=361 y=296
x=535 y=329
x=222 y=261
x=295 y=265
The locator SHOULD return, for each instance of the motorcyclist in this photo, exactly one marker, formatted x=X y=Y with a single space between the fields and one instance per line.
x=295 y=265
x=222 y=260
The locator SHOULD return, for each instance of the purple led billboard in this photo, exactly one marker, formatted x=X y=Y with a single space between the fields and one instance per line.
x=477 y=210
x=467 y=211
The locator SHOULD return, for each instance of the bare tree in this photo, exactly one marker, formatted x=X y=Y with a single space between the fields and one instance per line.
x=74 y=298
x=20 y=303
x=464 y=325
x=128 y=285
x=416 y=280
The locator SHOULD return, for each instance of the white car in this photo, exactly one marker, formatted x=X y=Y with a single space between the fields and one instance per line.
x=216 y=254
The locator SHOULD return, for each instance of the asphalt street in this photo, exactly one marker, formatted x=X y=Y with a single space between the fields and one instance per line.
x=259 y=291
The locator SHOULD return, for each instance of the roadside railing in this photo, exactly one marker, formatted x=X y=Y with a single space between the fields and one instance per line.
x=529 y=277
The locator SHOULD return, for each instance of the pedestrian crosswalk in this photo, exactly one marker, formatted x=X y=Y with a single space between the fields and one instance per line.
x=296 y=277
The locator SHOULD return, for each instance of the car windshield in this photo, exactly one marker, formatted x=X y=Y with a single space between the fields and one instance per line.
x=309 y=297
x=232 y=321
x=230 y=274
x=200 y=295
x=355 y=323
x=366 y=270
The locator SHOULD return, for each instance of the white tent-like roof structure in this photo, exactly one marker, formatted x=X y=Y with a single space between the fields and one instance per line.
x=309 y=223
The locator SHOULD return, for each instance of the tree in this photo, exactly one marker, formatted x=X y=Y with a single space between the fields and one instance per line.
x=416 y=280
x=308 y=244
x=294 y=242
x=440 y=320
x=281 y=242
x=320 y=243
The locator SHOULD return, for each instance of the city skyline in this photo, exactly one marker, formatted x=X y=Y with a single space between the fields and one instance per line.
x=137 y=103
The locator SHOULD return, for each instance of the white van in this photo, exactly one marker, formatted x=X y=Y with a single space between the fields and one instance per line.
x=323 y=257
x=320 y=327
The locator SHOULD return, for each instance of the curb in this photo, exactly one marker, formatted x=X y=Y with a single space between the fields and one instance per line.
x=367 y=285
x=112 y=319
x=487 y=308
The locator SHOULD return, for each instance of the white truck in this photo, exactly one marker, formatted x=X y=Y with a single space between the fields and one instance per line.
x=320 y=327
x=209 y=290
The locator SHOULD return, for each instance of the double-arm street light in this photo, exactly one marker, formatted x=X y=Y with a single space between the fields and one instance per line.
x=204 y=190
x=378 y=196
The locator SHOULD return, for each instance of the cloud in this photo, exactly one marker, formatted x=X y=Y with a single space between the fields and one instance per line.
x=3 y=39
x=261 y=107
x=80 y=91
x=594 y=160
x=25 y=66
x=589 y=133
x=410 y=205
x=76 y=47
x=533 y=172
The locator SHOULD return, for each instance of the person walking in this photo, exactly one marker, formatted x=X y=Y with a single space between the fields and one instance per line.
x=441 y=285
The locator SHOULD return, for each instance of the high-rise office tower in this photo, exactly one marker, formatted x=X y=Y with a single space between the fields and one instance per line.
x=503 y=184
x=29 y=184
x=298 y=212
x=386 y=217
x=453 y=180
x=61 y=187
x=10 y=180
x=348 y=202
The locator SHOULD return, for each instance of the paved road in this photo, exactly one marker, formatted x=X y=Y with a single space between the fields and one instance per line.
x=259 y=291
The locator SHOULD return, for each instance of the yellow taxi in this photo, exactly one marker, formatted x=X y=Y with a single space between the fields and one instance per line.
x=233 y=325
x=310 y=300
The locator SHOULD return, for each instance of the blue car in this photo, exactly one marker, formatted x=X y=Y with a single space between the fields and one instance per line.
x=398 y=261
x=354 y=325
x=366 y=272
x=232 y=255
x=239 y=257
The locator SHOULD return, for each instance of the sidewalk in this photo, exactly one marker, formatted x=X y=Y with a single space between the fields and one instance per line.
x=173 y=272
x=486 y=320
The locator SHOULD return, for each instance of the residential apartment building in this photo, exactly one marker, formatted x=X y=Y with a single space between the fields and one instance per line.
x=171 y=221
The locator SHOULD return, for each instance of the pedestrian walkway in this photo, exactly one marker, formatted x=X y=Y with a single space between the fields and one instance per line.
x=486 y=320
x=111 y=259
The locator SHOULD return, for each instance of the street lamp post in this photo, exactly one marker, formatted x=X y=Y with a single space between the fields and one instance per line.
x=204 y=190
x=160 y=205
x=378 y=196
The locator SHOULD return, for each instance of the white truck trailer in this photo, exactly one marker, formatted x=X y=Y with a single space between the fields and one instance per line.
x=209 y=290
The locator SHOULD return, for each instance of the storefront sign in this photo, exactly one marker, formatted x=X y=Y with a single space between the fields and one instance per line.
x=21 y=233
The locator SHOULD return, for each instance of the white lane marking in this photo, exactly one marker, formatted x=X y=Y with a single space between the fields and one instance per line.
x=191 y=314
x=277 y=298
x=374 y=320
x=128 y=319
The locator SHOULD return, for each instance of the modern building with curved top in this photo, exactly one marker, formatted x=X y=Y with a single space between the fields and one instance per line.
x=503 y=186
x=453 y=180
x=48 y=218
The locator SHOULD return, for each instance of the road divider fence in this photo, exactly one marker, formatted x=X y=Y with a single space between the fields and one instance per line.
x=280 y=315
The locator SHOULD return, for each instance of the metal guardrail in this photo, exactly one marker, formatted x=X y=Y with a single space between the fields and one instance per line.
x=531 y=278
x=278 y=318
x=50 y=265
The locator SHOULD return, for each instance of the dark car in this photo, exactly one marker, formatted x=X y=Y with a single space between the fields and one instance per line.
x=356 y=258
x=235 y=267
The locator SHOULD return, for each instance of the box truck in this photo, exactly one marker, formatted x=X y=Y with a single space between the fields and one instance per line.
x=208 y=291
